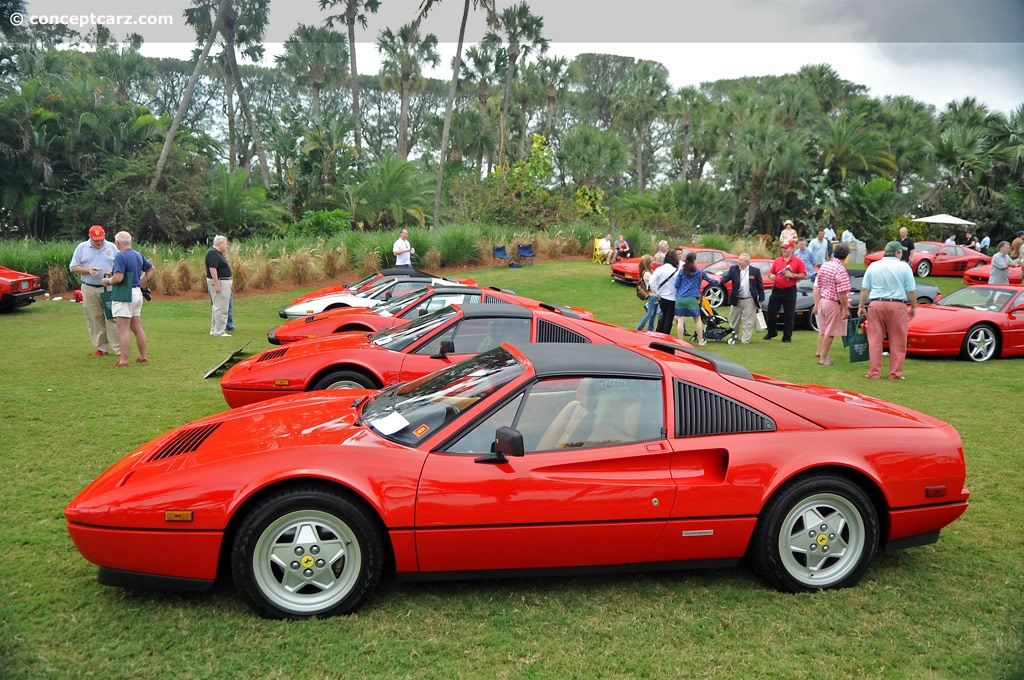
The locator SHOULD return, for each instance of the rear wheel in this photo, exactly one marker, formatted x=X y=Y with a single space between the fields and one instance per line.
x=812 y=321
x=307 y=552
x=817 y=532
x=980 y=344
x=715 y=295
x=924 y=268
x=344 y=380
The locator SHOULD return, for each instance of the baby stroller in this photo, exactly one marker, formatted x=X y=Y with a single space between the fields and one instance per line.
x=716 y=326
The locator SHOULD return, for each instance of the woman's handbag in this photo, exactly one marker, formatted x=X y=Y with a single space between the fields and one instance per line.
x=641 y=290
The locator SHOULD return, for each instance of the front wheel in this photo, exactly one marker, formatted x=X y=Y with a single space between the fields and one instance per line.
x=924 y=268
x=715 y=295
x=344 y=380
x=812 y=321
x=307 y=552
x=818 y=532
x=980 y=343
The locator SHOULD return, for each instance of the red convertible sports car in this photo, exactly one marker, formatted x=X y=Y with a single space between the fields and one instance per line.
x=370 y=281
x=978 y=276
x=976 y=323
x=406 y=352
x=543 y=459
x=398 y=310
x=628 y=271
x=17 y=289
x=930 y=258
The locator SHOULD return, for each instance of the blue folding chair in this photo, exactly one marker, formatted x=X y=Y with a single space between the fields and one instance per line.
x=500 y=256
x=524 y=252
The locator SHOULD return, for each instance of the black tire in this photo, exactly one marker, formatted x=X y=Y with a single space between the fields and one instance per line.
x=307 y=552
x=344 y=380
x=981 y=343
x=924 y=301
x=923 y=269
x=716 y=295
x=834 y=551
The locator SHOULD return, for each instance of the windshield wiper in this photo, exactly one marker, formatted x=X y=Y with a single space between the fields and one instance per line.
x=391 y=391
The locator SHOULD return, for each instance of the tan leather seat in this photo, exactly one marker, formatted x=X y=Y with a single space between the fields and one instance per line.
x=574 y=421
x=617 y=418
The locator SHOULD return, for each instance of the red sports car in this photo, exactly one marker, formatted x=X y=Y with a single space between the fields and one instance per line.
x=409 y=351
x=370 y=281
x=396 y=311
x=17 y=289
x=628 y=271
x=930 y=258
x=978 y=276
x=718 y=293
x=976 y=323
x=548 y=458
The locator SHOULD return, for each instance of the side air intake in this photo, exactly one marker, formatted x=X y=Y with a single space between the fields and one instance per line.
x=703 y=412
x=185 y=442
x=552 y=332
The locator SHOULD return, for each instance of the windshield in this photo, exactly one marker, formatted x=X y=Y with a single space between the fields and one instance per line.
x=930 y=248
x=362 y=282
x=397 y=304
x=403 y=335
x=978 y=297
x=419 y=408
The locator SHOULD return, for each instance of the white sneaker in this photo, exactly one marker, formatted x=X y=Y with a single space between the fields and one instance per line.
x=223 y=335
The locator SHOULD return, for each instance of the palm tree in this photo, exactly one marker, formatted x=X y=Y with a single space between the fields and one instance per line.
x=425 y=7
x=311 y=54
x=186 y=99
x=1009 y=133
x=522 y=36
x=353 y=12
x=642 y=99
x=405 y=53
x=482 y=65
x=852 y=144
x=553 y=73
x=592 y=157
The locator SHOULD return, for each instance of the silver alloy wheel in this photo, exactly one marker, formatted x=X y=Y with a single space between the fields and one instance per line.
x=822 y=539
x=307 y=561
x=924 y=268
x=715 y=295
x=980 y=343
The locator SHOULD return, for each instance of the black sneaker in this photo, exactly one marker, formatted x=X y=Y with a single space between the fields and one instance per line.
x=769 y=337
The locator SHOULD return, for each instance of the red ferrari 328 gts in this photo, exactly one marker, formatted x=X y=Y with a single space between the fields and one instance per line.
x=539 y=459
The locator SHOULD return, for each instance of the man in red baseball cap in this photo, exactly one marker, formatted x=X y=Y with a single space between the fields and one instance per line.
x=785 y=272
x=92 y=259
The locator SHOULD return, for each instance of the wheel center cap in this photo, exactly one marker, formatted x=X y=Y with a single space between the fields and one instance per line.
x=307 y=561
x=822 y=539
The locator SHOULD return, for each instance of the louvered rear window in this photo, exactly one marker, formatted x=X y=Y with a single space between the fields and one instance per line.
x=552 y=332
x=701 y=412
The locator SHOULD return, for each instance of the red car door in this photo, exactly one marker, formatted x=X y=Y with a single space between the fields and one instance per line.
x=594 y=488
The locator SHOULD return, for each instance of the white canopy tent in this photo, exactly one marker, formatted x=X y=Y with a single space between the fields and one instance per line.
x=943 y=218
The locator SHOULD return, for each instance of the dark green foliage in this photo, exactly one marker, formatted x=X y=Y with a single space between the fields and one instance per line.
x=321 y=223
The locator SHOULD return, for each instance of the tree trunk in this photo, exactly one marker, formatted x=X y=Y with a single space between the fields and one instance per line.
x=243 y=101
x=187 y=98
x=403 y=121
x=229 y=110
x=446 y=130
x=513 y=56
x=357 y=127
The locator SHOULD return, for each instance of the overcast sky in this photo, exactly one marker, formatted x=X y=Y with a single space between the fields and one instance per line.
x=936 y=51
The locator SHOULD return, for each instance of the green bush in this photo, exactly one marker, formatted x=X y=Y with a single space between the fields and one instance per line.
x=458 y=246
x=324 y=223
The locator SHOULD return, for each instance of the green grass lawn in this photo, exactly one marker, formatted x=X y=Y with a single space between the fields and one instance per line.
x=950 y=610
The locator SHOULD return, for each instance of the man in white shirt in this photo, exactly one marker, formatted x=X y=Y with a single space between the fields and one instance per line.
x=403 y=250
x=605 y=250
x=951 y=241
x=848 y=236
x=819 y=248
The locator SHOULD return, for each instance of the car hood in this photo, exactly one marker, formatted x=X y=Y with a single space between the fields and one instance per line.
x=319 y=304
x=933 y=318
x=289 y=426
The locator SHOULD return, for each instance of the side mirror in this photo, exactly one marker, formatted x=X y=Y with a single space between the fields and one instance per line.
x=507 y=442
x=447 y=347
x=1016 y=310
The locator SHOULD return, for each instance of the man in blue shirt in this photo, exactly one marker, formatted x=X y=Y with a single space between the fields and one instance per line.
x=888 y=286
x=130 y=271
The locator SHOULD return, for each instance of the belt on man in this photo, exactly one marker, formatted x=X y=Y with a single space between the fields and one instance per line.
x=223 y=278
x=888 y=300
x=91 y=285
